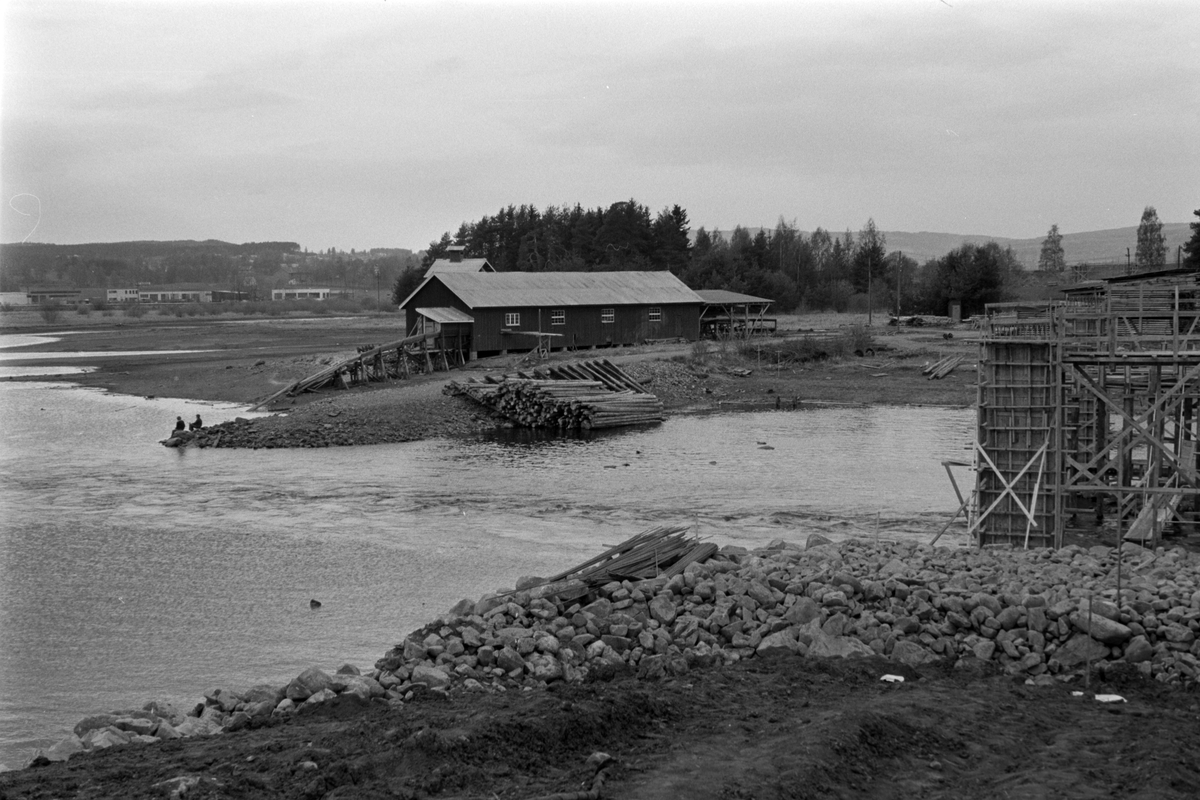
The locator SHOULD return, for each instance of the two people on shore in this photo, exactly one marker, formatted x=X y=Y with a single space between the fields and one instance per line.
x=180 y=425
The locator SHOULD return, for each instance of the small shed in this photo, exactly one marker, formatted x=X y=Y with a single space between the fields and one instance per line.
x=726 y=313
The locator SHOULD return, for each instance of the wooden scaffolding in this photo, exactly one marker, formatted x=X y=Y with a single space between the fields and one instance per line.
x=1088 y=406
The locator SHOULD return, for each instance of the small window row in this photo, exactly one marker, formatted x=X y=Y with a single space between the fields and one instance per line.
x=558 y=316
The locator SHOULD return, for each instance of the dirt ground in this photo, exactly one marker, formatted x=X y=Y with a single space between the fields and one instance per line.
x=785 y=727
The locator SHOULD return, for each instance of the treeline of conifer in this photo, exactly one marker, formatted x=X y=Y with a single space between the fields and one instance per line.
x=793 y=268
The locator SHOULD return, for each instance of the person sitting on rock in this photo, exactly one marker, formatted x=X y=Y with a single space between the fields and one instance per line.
x=180 y=425
x=197 y=425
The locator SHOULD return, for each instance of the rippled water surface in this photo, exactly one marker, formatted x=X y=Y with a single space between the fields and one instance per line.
x=130 y=571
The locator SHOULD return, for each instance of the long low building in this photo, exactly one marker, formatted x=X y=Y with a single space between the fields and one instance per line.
x=518 y=311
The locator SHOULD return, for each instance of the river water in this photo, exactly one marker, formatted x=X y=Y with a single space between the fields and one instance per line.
x=129 y=571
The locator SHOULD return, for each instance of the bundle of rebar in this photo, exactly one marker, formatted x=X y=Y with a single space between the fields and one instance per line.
x=664 y=551
x=563 y=404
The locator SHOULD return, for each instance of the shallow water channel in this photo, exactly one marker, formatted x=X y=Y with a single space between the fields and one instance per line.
x=130 y=571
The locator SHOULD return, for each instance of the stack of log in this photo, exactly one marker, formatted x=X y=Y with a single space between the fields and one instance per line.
x=942 y=367
x=562 y=404
x=589 y=395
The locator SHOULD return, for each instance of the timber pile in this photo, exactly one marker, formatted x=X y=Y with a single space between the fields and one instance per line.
x=589 y=395
x=562 y=404
x=600 y=369
x=942 y=367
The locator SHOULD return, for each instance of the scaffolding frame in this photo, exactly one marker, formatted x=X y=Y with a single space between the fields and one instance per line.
x=1089 y=405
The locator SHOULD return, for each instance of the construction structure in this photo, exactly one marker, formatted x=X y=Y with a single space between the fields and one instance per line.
x=1087 y=410
x=732 y=314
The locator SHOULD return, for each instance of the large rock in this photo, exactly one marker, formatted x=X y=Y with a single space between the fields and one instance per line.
x=64 y=749
x=911 y=654
x=803 y=611
x=1139 y=649
x=308 y=683
x=663 y=609
x=780 y=643
x=92 y=723
x=264 y=692
x=1078 y=650
x=432 y=677
x=825 y=646
x=1102 y=629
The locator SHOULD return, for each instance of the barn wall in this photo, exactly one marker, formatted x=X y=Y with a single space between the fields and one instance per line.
x=583 y=327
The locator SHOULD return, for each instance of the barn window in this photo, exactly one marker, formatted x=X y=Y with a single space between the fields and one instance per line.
x=607 y=315
x=655 y=314
x=558 y=316
x=512 y=319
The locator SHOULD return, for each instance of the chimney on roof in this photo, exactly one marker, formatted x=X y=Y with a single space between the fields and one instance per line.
x=455 y=251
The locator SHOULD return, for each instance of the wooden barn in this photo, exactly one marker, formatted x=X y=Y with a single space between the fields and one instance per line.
x=520 y=311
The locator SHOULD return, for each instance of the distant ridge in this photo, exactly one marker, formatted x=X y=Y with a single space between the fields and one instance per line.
x=1094 y=247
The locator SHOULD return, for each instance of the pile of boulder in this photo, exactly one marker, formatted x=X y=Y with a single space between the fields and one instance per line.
x=1041 y=615
x=221 y=710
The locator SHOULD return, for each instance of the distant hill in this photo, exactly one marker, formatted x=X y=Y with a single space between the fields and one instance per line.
x=1093 y=247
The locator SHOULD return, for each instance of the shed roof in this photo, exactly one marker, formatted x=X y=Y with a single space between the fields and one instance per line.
x=444 y=265
x=444 y=315
x=721 y=297
x=514 y=289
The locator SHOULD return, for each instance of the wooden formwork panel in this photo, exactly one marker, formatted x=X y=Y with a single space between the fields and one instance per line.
x=1017 y=403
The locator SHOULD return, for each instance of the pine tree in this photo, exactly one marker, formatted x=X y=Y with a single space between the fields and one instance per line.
x=1052 y=258
x=1192 y=248
x=1151 y=246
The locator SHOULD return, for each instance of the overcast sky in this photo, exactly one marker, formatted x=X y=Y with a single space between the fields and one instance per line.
x=377 y=123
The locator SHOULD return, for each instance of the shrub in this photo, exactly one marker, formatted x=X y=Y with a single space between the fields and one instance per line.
x=50 y=312
x=854 y=340
x=83 y=310
x=135 y=310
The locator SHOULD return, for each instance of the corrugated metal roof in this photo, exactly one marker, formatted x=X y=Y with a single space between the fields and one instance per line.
x=444 y=265
x=444 y=315
x=515 y=289
x=720 y=297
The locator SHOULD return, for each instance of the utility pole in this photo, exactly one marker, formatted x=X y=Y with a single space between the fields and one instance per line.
x=1128 y=263
x=899 y=275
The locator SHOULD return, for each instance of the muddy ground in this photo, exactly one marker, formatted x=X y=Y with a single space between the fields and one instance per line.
x=786 y=727
x=245 y=360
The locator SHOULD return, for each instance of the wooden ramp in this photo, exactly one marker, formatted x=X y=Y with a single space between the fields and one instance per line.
x=335 y=373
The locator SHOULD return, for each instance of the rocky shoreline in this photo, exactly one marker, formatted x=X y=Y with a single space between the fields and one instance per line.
x=1040 y=616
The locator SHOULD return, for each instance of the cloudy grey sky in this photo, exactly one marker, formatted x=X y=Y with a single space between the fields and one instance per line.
x=377 y=123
